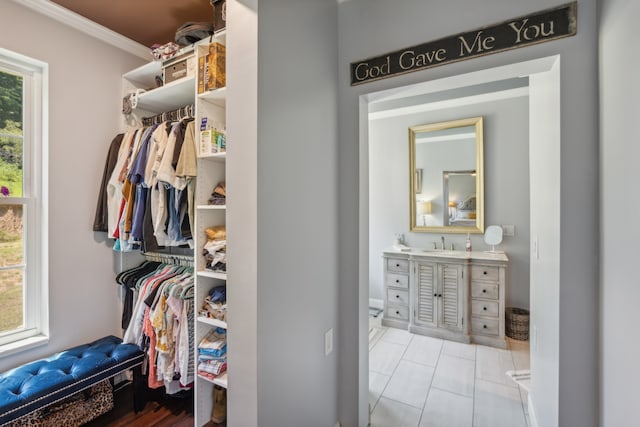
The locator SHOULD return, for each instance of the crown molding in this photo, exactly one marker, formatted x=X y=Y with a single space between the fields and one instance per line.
x=87 y=26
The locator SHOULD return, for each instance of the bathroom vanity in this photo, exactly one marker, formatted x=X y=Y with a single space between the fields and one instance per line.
x=454 y=295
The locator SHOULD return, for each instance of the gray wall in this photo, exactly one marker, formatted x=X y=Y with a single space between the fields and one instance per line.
x=619 y=203
x=506 y=152
x=369 y=28
x=84 y=116
x=297 y=212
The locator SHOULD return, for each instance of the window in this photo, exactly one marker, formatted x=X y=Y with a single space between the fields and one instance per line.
x=23 y=229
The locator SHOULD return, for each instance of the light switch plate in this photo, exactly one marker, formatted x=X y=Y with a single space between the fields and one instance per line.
x=328 y=342
x=509 y=230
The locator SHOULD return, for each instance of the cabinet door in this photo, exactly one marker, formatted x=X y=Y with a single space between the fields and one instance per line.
x=449 y=297
x=425 y=294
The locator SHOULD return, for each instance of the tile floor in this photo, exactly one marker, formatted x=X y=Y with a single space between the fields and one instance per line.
x=419 y=381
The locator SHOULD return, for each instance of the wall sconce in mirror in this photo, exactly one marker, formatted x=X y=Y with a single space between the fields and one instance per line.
x=452 y=210
x=427 y=209
x=418 y=181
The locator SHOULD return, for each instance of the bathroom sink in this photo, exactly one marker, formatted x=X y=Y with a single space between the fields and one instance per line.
x=437 y=252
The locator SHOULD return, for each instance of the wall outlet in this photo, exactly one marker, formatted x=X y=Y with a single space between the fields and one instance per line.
x=509 y=230
x=328 y=342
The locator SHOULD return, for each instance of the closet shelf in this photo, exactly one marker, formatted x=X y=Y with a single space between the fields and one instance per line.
x=168 y=97
x=212 y=322
x=211 y=207
x=220 y=380
x=216 y=96
x=144 y=76
x=212 y=274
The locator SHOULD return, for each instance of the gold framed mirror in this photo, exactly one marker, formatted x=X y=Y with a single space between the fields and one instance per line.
x=446 y=177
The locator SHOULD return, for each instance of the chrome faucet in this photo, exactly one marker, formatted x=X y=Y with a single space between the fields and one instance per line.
x=443 y=247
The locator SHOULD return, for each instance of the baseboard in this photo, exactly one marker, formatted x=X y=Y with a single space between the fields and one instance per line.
x=532 y=414
x=376 y=303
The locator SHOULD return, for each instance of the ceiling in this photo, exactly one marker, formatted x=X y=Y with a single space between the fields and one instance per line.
x=144 y=21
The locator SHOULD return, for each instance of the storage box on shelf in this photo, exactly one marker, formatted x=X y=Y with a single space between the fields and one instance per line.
x=178 y=68
x=211 y=66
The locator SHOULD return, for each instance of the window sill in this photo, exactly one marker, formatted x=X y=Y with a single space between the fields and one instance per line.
x=23 y=345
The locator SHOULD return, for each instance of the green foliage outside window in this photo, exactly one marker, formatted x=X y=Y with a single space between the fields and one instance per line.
x=11 y=230
x=11 y=141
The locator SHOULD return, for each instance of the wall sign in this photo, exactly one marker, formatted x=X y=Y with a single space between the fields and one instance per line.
x=544 y=26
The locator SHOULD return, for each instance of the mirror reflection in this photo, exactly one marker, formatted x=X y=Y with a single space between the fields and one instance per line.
x=447 y=186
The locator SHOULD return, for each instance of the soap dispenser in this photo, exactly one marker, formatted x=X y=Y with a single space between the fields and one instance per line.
x=468 y=243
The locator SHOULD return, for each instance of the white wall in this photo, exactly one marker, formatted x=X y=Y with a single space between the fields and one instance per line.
x=369 y=28
x=242 y=222
x=544 y=149
x=506 y=173
x=84 y=116
x=619 y=201
x=297 y=212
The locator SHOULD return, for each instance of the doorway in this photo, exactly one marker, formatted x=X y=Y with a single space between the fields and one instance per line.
x=542 y=78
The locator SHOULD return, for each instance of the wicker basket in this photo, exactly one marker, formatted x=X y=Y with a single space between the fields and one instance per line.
x=517 y=323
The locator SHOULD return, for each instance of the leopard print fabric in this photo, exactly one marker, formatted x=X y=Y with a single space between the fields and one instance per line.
x=73 y=411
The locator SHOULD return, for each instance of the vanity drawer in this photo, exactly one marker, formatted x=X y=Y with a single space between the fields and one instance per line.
x=397 y=312
x=398 y=280
x=485 y=326
x=484 y=290
x=399 y=265
x=484 y=308
x=481 y=272
x=397 y=296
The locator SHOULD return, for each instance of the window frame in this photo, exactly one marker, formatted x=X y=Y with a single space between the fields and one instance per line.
x=34 y=201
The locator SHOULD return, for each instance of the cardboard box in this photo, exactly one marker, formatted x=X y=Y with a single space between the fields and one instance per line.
x=216 y=66
x=179 y=68
x=219 y=15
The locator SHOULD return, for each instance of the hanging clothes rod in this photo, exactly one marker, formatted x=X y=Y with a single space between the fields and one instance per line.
x=175 y=115
x=184 y=260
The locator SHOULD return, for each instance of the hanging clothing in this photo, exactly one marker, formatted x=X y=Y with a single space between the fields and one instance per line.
x=159 y=322
x=150 y=191
x=101 y=220
x=114 y=185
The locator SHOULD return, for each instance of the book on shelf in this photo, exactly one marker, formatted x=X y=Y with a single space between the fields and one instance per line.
x=202 y=73
x=216 y=66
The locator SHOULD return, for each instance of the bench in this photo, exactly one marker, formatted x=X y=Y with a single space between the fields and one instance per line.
x=45 y=382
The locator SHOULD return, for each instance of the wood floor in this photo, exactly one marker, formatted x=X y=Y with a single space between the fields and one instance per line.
x=164 y=412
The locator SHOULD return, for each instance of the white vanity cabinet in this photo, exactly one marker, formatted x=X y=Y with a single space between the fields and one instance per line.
x=447 y=294
x=439 y=296
x=487 y=303
x=396 y=302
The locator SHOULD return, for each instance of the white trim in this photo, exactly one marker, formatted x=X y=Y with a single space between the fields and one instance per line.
x=451 y=103
x=533 y=421
x=23 y=345
x=35 y=328
x=87 y=26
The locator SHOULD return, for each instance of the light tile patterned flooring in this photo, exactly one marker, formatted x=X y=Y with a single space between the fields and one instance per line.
x=419 y=381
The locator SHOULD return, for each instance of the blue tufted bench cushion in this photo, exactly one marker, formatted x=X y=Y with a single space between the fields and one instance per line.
x=46 y=381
